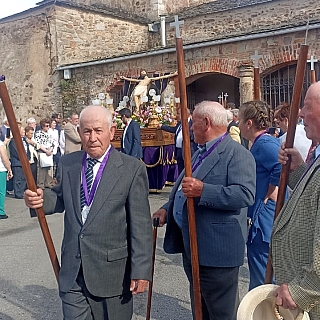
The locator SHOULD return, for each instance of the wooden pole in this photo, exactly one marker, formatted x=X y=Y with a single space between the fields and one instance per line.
x=256 y=84
x=188 y=173
x=293 y=120
x=155 y=231
x=28 y=174
x=313 y=76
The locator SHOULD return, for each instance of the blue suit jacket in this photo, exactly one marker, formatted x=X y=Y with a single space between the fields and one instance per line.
x=132 y=141
x=228 y=174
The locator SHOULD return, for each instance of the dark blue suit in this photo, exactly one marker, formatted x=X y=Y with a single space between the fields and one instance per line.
x=179 y=151
x=131 y=144
x=228 y=174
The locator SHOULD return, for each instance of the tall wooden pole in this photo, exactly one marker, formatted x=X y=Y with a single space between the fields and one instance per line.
x=188 y=172
x=293 y=120
x=28 y=174
x=312 y=71
x=256 y=76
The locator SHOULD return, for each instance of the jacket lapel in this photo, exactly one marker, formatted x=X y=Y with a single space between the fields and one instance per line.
x=286 y=215
x=212 y=159
x=75 y=182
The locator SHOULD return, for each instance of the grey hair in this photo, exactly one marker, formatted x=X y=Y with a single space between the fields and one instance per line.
x=235 y=112
x=31 y=120
x=5 y=119
x=106 y=112
x=214 y=111
x=229 y=115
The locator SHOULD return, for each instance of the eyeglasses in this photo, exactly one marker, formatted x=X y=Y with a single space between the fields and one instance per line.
x=47 y=125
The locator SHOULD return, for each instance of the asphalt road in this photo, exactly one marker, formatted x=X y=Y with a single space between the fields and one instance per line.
x=28 y=288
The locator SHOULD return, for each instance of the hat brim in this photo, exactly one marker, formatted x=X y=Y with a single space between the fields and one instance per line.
x=258 y=304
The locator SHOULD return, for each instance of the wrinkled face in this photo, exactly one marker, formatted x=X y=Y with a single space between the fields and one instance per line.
x=310 y=113
x=95 y=132
x=29 y=134
x=75 y=119
x=199 y=127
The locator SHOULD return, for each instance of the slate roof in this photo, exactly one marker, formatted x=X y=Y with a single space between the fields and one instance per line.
x=101 y=8
x=218 y=6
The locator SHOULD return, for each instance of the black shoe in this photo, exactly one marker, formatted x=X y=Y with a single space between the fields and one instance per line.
x=3 y=216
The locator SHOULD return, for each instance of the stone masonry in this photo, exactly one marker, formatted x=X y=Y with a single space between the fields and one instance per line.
x=34 y=43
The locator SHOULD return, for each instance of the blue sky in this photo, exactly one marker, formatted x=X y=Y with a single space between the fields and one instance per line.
x=7 y=8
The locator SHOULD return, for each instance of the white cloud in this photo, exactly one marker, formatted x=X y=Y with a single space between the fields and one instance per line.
x=8 y=8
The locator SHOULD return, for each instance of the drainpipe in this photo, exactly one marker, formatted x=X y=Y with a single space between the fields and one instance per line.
x=163 y=31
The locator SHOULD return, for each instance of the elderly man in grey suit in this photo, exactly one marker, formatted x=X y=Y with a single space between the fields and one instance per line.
x=295 y=242
x=222 y=184
x=107 y=245
x=72 y=137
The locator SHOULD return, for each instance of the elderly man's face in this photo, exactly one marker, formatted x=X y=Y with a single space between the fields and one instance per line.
x=310 y=113
x=95 y=132
x=199 y=126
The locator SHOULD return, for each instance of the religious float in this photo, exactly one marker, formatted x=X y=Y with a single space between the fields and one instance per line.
x=158 y=145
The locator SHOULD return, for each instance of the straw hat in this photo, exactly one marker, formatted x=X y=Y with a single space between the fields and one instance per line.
x=259 y=304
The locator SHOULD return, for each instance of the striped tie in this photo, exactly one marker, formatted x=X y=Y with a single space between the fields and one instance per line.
x=89 y=178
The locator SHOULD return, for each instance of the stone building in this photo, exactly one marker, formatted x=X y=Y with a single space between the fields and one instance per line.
x=60 y=55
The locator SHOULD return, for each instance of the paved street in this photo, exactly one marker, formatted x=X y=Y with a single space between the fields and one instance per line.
x=28 y=288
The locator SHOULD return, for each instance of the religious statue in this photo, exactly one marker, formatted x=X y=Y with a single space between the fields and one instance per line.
x=141 y=89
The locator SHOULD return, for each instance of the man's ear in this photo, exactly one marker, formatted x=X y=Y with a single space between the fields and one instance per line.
x=112 y=131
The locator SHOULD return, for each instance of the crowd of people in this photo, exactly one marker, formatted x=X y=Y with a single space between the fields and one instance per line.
x=106 y=250
x=44 y=143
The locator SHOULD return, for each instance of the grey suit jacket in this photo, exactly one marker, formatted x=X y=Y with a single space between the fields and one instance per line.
x=295 y=241
x=228 y=174
x=114 y=245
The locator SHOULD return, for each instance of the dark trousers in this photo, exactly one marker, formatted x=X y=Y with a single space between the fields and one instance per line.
x=79 y=304
x=19 y=182
x=179 y=158
x=219 y=291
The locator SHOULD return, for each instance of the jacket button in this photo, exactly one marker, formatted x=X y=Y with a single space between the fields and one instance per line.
x=78 y=256
x=81 y=235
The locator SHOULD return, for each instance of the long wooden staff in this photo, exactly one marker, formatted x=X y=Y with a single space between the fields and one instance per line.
x=293 y=120
x=256 y=76
x=188 y=172
x=28 y=174
x=155 y=231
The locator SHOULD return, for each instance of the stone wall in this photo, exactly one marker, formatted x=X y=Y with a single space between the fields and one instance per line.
x=27 y=62
x=83 y=35
x=202 y=25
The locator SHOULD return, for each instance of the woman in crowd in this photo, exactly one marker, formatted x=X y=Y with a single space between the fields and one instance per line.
x=254 y=121
x=5 y=174
x=54 y=133
x=45 y=176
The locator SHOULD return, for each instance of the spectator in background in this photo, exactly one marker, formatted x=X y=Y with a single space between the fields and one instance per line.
x=19 y=180
x=45 y=177
x=31 y=122
x=54 y=133
x=131 y=139
x=33 y=147
x=5 y=131
x=301 y=142
x=178 y=139
x=72 y=138
x=5 y=174
x=57 y=118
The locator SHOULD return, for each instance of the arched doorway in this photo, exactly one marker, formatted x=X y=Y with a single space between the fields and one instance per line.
x=209 y=86
x=277 y=86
